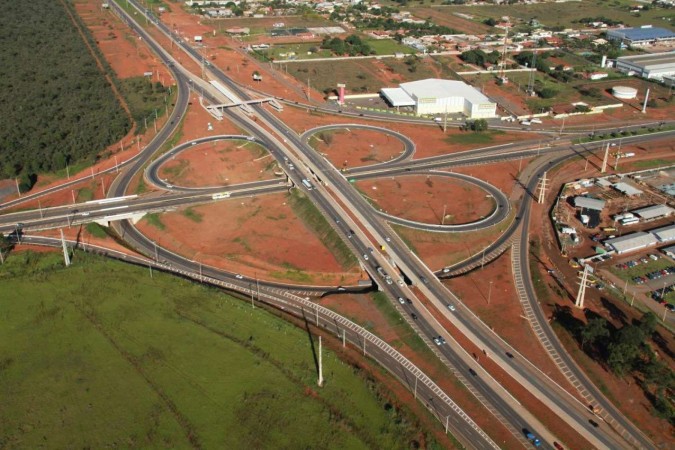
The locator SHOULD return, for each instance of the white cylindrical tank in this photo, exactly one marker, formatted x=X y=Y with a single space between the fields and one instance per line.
x=624 y=92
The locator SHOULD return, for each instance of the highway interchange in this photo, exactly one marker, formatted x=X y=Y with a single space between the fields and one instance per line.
x=362 y=221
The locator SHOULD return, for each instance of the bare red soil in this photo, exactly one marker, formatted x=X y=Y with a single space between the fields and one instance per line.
x=220 y=164
x=424 y=199
x=256 y=236
x=347 y=148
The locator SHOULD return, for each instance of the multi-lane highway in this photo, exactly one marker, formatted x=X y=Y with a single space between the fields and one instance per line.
x=358 y=225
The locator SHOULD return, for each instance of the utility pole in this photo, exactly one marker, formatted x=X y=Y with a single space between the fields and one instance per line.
x=604 y=160
x=443 y=218
x=18 y=191
x=489 y=292
x=644 y=105
x=542 y=189
x=582 y=287
x=66 y=256
x=308 y=90
x=320 y=383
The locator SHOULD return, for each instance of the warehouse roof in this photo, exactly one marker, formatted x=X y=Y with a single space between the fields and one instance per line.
x=630 y=242
x=654 y=211
x=437 y=88
x=626 y=189
x=589 y=203
x=665 y=234
x=397 y=97
x=649 y=59
x=642 y=34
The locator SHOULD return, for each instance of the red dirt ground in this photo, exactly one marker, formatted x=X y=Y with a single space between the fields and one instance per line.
x=231 y=235
x=423 y=199
x=355 y=148
x=501 y=175
x=220 y=164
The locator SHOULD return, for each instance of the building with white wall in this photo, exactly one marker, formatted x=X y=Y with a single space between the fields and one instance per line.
x=652 y=65
x=435 y=96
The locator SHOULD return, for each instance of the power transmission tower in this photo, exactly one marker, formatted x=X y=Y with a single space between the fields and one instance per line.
x=66 y=256
x=604 y=160
x=582 y=287
x=530 y=83
x=542 y=188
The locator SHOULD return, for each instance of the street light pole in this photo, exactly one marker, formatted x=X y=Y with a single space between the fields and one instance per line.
x=489 y=292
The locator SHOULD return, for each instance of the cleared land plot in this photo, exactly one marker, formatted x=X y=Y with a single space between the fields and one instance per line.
x=448 y=18
x=161 y=362
x=426 y=198
x=220 y=164
x=347 y=148
x=281 y=237
x=566 y=14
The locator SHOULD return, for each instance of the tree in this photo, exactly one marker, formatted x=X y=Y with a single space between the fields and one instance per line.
x=547 y=92
x=594 y=330
x=478 y=125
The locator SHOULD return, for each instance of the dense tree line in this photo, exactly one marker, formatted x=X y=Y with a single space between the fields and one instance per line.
x=57 y=106
x=629 y=351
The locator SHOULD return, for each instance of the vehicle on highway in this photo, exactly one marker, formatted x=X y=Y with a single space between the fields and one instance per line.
x=446 y=269
x=388 y=280
x=437 y=341
x=239 y=276
x=307 y=184
x=593 y=422
x=473 y=372
x=409 y=301
x=365 y=256
x=388 y=239
x=414 y=316
x=400 y=282
x=451 y=307
x=401 y=301
x=86 y=213
x=531 y=437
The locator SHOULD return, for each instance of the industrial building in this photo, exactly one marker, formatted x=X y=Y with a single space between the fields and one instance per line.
x=654 y=65
x=645 y=35
x=435 y=96
x=589 y=203
x=631 y=242
x=664 y=234
x=654 y=212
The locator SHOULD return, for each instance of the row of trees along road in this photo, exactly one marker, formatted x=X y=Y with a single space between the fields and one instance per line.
x=57 y=106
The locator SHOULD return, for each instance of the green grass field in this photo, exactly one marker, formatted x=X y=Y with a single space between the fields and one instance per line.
x=101 y=355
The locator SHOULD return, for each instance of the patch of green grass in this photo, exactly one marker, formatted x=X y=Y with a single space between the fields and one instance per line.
x=243 y=242
x=292 y=275
x=84 y=195
x=193 y=215
x=156 y=362
x=317 y=223
x=154 y=220
x=388 y=47
x=96 y=230
x=174 y=171
x=471 y=137
x=651 y=163
x=141 y=188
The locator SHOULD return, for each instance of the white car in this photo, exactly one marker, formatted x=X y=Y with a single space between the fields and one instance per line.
x=401 y=301
x=365 y=257
x=437 y=341
x=451 y=307
x=239 y=276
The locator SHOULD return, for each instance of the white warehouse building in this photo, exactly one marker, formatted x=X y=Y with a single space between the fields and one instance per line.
x=650 y=65
x=436 y=96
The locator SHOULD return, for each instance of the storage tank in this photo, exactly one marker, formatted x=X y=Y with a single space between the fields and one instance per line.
x=624 y=92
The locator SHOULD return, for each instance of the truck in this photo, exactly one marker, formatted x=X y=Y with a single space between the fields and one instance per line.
x=381 y=271
x=307 y=184
x=220 y=195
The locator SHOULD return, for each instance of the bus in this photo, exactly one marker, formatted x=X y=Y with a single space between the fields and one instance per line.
x=307 y=184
